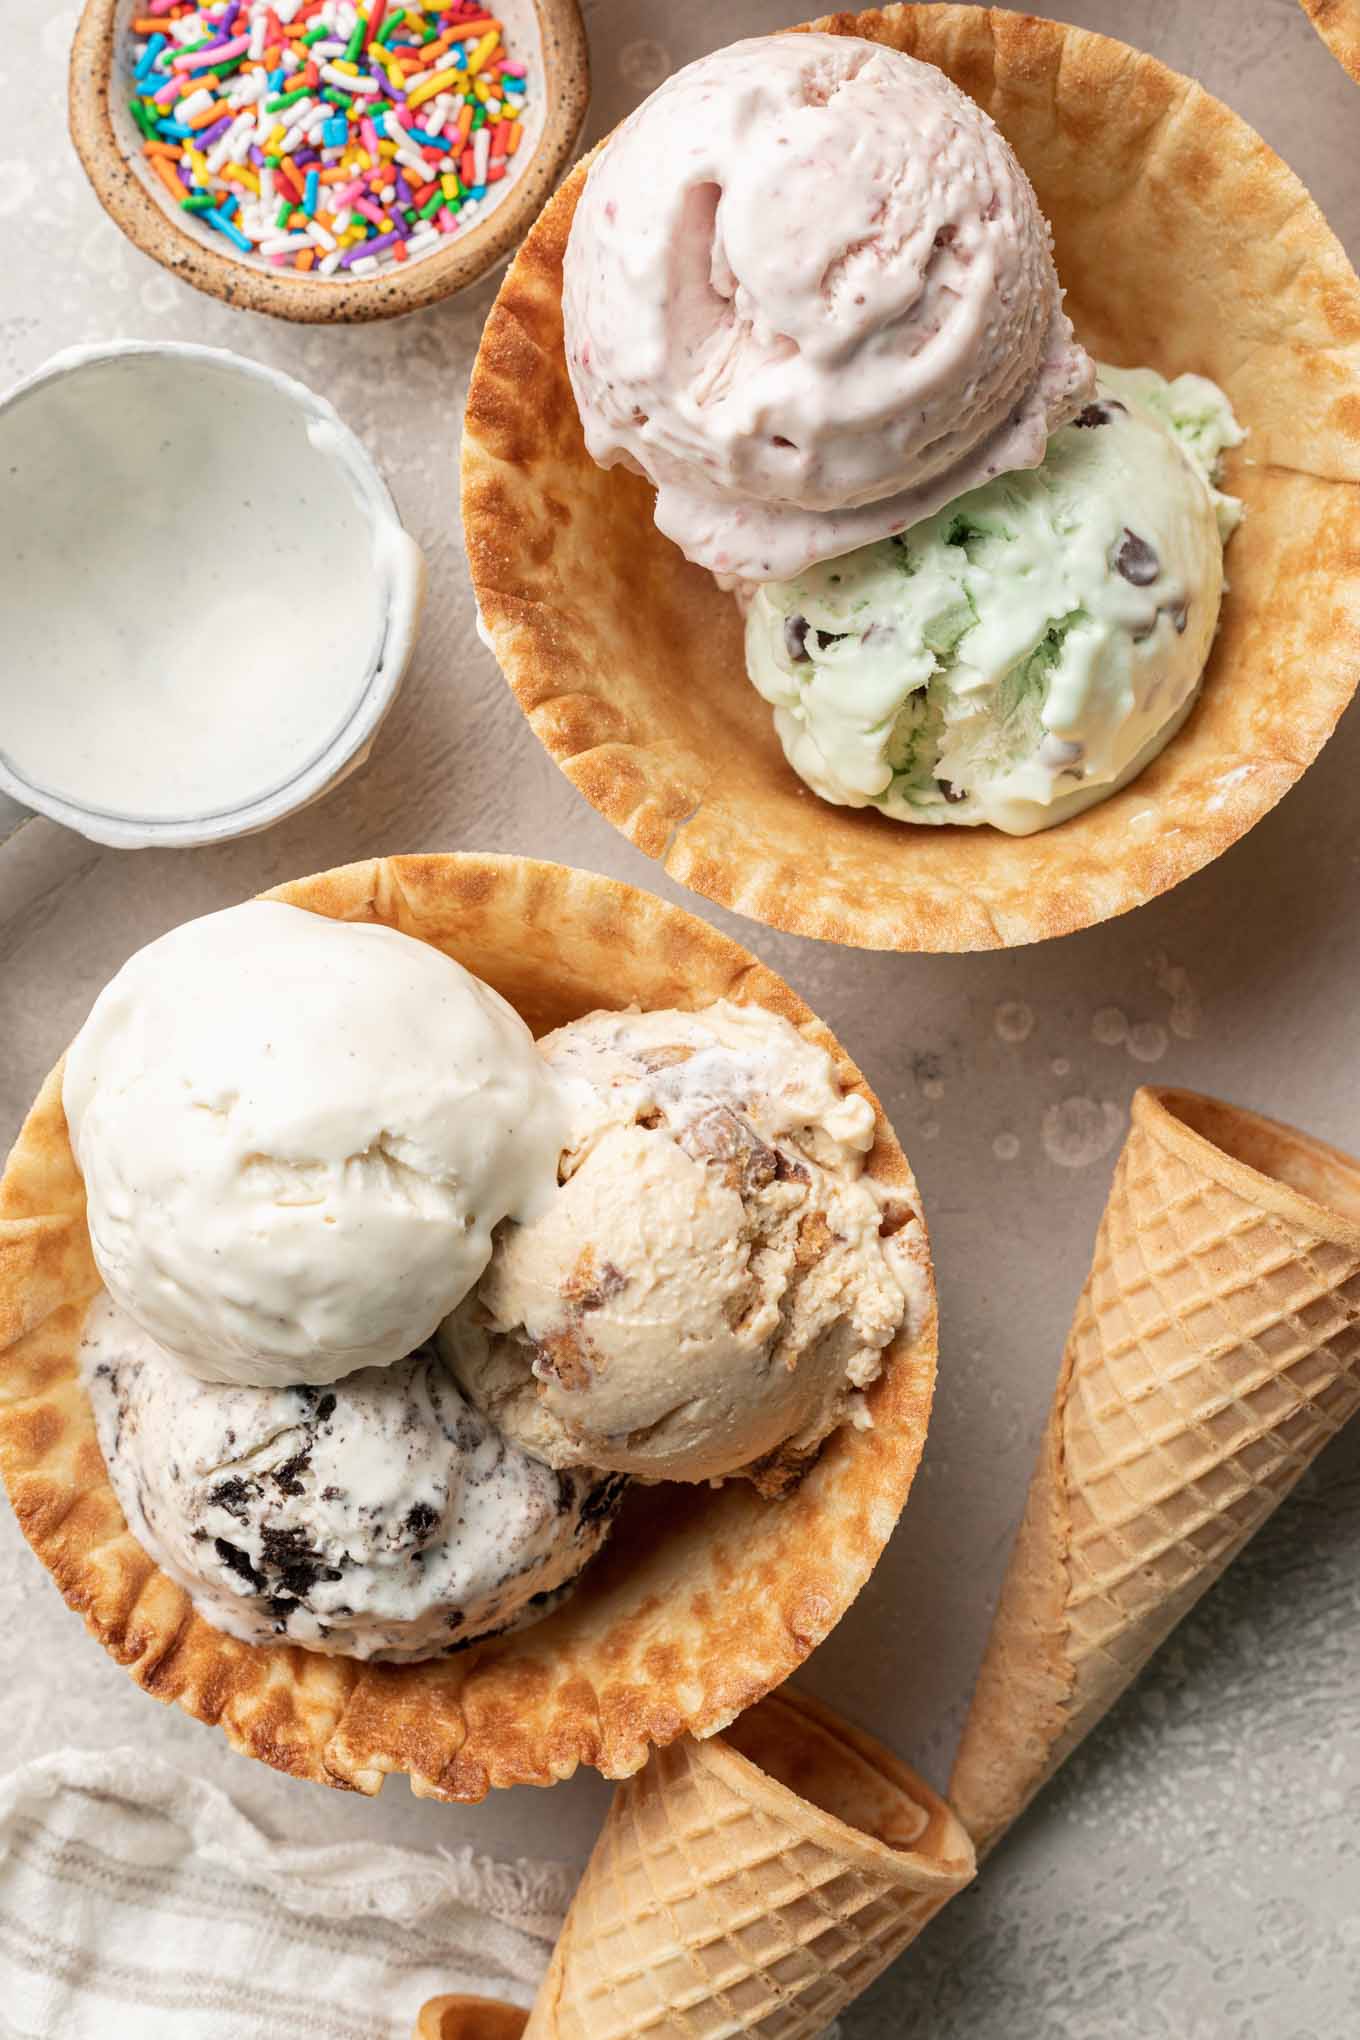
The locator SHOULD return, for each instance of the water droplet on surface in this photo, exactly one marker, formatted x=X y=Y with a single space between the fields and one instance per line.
x=1109 y=1027
x=1060 y=1066
x=1014 y=1020
x=644 y=64
x=1080 y=1131
x=933 y=1089
x=1174 y=980
x=1147 y=1041
x=1005 y=1147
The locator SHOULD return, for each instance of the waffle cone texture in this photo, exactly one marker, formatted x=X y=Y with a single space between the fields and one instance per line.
x=1183 y=243
x=703 y=1601
x=1214 y=1352
x=1338 y=23
x=755 y=1883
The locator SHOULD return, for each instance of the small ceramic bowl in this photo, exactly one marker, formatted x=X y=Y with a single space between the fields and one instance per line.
x=549 y=34
x=206 y=588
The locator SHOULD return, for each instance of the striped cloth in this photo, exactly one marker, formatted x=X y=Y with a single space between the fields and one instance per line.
x=138 y=1904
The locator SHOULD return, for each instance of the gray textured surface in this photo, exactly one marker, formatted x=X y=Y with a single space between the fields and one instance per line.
x=1193 y=1874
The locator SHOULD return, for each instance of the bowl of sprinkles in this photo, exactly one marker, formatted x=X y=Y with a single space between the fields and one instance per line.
x=327 y=159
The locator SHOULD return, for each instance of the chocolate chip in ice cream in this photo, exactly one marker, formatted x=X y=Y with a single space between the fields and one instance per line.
x=1136 y=560
x=795 y=639
x=1099 y=413
x=236 y=1560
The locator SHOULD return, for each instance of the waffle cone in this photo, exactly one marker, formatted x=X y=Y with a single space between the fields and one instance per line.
x=1184 y=243
x=1338 y=23
x=469 y=2018
x=704 y=1600
x=1214 y=1352
x=755 y=1883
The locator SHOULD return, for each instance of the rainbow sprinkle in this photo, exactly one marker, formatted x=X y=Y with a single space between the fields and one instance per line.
x=325 y=136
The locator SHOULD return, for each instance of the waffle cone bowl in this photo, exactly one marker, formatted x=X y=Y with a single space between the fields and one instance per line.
x=1338 y=23
x=705 y=1599
x=1184 y=243
x=752 y=1884
x=1214 y=1352
x=469 y=2018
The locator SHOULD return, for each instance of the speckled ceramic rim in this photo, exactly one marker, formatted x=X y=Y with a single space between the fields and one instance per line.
x=402 y=587
x=150 y=223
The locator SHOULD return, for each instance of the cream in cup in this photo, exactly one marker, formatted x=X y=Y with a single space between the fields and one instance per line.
x=207 y=599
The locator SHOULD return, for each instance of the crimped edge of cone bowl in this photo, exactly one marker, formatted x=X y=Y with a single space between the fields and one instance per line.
x=1263 y=1160
x=1338 y=23
x=627 y=662
x=710 y=1601
x=133 y=206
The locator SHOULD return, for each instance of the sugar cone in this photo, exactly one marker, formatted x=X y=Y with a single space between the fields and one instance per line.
x=1214 y=1352
x=754 y=1883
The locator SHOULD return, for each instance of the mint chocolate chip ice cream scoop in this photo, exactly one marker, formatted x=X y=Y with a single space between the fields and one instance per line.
x=1028 y=649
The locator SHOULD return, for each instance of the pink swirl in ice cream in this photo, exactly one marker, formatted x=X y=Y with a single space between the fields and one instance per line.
x=810 y=295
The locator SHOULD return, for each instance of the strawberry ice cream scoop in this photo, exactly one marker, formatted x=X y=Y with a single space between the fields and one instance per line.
x=810 y=295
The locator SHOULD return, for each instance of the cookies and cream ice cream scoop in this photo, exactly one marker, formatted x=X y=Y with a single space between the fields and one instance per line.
x=297 y=1136
x=378 y=1518
x=717 y=1277
x=810 y=295
x=1028 y=649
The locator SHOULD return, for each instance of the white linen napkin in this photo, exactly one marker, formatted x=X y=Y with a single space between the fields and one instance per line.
x=139 y=1904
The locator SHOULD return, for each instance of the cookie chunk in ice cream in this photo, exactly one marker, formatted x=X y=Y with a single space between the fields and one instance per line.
x=297 y=1136
x=1026 y=651
x=716 y=1279
x=380 y=1518
x=810 y=295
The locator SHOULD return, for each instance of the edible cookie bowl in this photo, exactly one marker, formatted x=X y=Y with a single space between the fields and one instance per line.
x=705 y=1599
x=550 y=37
x=628 y=660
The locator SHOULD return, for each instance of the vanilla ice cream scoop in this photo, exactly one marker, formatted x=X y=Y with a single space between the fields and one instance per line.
x=381 y=1518
x=809 y=294
x=297 y=1136
x=717 y=1277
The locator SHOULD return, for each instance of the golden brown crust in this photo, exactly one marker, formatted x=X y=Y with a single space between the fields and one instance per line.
x=698 y=1609
x=1338 y=23
x=469 y=2018
x=1214 y=1352
x=628 y=661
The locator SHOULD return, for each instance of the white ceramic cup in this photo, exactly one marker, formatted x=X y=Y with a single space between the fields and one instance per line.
x=49 y=448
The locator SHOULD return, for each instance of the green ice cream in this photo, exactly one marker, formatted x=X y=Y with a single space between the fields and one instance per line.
x=1028 y=649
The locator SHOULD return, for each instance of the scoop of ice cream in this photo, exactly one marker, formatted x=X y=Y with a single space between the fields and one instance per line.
x=716 y=1278
x=809 y=294
x=380 y=1518
x=1028 y=649
x=297 y=1135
